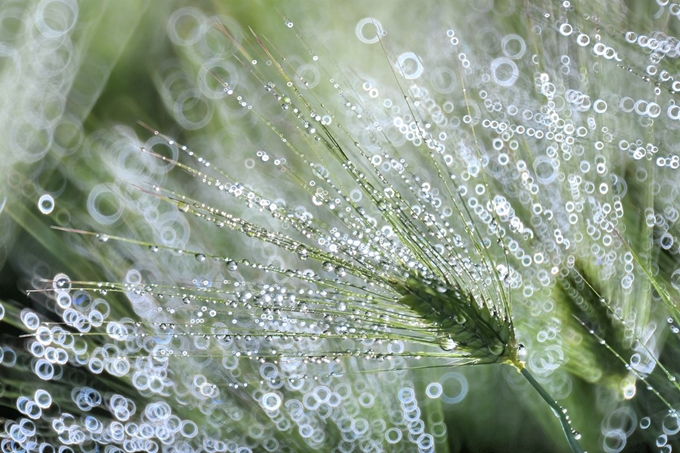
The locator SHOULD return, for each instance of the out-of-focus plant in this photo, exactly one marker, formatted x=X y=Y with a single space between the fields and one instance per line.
x=325 y=209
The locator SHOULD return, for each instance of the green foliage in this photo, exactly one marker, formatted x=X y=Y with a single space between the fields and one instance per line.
x=233 y=226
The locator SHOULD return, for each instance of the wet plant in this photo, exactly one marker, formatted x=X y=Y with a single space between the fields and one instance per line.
x=322 y=218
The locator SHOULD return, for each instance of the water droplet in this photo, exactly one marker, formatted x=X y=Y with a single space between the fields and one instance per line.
x=522 y=353
x=446 y=342
x=645 y=422
x=302 y=252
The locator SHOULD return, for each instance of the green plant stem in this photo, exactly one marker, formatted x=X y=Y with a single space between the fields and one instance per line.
x=557 y=409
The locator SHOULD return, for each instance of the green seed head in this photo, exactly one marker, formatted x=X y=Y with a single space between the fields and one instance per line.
x=464 y=323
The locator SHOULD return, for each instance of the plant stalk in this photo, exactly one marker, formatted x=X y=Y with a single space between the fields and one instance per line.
x=559 y=411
